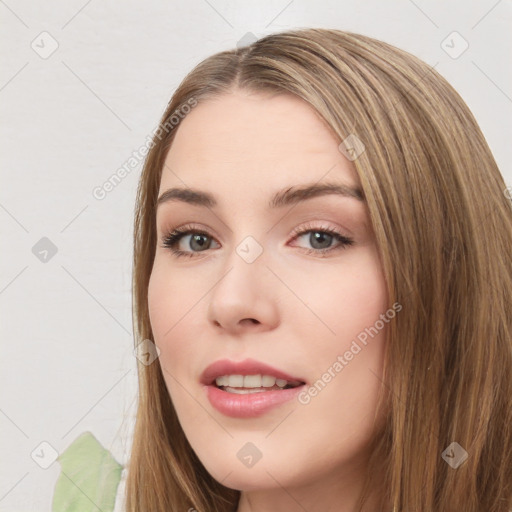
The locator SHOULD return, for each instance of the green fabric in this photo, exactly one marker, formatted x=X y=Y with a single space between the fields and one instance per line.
x=89 y=478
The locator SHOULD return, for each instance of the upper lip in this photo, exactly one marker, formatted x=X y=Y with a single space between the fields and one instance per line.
x=245 y=367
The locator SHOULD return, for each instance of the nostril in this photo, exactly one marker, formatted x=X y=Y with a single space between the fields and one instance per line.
x=249 y=320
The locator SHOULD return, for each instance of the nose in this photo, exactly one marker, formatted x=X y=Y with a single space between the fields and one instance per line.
x=244 y=298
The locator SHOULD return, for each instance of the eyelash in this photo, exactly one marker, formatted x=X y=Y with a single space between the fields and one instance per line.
x=173 y=238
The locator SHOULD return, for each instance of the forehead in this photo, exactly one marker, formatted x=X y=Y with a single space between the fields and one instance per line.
x=242 y=142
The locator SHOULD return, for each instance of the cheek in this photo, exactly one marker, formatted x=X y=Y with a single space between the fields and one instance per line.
x=170 y=297
x=346 y=362
x=167 y=304
x=175 y=308
x=157 y=294
x=346 y=298
x=160 y=303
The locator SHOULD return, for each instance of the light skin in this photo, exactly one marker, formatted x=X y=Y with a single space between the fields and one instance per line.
x=290 y=309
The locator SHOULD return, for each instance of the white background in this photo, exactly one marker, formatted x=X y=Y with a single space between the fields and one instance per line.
x=70 y=120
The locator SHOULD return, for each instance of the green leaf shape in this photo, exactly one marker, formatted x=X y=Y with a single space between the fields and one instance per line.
x=89 y=477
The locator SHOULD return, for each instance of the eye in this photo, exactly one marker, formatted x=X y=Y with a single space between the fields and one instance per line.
x=320 y=238
x=199 y=240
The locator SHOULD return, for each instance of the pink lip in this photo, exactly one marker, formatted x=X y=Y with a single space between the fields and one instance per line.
x=248 y=405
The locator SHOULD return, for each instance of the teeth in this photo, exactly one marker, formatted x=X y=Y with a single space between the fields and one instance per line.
x=222 y=381
x=249 y=381
x=239 y=391
x=268 y=381
x=236 y=381
x=252 y=381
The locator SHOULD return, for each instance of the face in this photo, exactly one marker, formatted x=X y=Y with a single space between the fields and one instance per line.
x=263 y=277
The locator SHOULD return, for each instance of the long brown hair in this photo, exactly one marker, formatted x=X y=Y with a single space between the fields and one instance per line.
x=443 y=227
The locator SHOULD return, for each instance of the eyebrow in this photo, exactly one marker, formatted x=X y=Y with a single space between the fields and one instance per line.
x=288 y=196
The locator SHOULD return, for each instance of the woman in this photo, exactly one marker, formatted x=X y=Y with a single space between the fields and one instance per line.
x=344 y=341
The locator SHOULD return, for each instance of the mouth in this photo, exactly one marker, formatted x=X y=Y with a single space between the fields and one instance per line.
x=248 y=388
x=245 y=384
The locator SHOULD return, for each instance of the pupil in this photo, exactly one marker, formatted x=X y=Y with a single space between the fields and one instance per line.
x=318 y=236
x=196 y=238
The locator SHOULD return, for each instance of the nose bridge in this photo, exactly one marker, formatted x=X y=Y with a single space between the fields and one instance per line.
x=243 y=292
x=244 y=269
x=248 y=237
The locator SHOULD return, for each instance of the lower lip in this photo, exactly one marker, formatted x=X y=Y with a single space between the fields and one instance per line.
x=249 y=405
